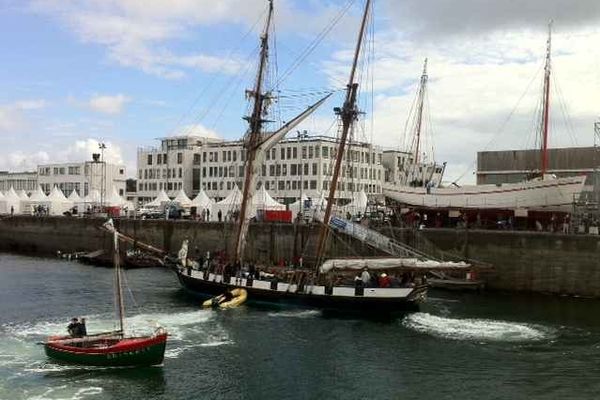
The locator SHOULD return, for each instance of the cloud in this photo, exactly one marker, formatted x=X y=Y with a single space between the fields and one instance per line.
x=21 y=161
x=31 y=104
x=108 y=104
x=440 y=18
x=136 y=33
x=197 y=130
x=484 y=91
x=82 y=150
x=12 y=115
x=11 y=120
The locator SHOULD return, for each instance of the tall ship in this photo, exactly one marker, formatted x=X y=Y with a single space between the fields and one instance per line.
x=419 y=184
x=330 y=283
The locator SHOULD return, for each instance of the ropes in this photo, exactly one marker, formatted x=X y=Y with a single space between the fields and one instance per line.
x=315 y=42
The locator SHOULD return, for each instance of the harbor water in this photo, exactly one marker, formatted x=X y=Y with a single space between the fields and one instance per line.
x=489 y=346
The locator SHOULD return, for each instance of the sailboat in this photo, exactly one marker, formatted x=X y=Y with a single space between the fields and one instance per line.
x=316 y=287
x=543 y=193
x=114 y=348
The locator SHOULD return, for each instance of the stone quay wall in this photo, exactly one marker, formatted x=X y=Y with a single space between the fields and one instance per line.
x=523 y=261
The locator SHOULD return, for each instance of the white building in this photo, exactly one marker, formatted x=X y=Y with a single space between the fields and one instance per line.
x=27 y=181
x=291 y=167
x=82 y=177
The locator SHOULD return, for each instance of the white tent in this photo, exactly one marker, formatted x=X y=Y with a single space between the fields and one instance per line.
x=310 y=205
x=37 y=198
x=23 y=195
x=114 y=200
x=228 y=206
x=11 y=201
x=161 y=198
x=77 y=201
x=357 y=206
x=58 y=202
x=202 y=202
x=262 y=200
x=74 y=197
x=182 y=199
x=92 y=197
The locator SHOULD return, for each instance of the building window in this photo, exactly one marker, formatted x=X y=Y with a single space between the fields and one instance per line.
x=289 y=153
x=121 y=171
x=282 y=153
x=204 y=156
x=149 y=159
x=294 y=152
x=325 y=152
x=304 y=152
x=305 y=169
x=179 y=158
x=158 y=159
x=314 y=169
x=180 y=173
x=273 y=154
x=293 y=170
x=235 y=155
x=310 y=152
x=196 y=159
x=313 y=184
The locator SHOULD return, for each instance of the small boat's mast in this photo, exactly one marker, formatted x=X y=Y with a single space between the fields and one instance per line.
x=255 y=121
x=546 y=107
x=421 y=99
x=119 y=304
x=348 y=114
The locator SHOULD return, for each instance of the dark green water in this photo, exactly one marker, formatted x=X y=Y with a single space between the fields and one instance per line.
x=457 y=347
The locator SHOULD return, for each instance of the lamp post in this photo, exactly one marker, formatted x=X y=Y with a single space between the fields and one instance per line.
x=102 y=147
x=301 y=135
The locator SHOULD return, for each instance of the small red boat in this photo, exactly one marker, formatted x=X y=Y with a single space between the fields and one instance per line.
x=114 y=348
x=108 y=349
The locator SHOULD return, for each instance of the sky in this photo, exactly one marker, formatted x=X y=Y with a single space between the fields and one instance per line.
x=125 y=72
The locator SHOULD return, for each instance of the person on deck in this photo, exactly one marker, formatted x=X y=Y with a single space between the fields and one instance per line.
x=384 y=281
x=365 y=276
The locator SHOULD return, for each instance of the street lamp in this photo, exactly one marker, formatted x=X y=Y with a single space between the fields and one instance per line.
x=102 y=147
x=301 y=135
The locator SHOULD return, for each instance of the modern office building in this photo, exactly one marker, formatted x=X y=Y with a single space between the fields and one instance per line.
x=83 y=177
x=18 y=180
x=294 y=166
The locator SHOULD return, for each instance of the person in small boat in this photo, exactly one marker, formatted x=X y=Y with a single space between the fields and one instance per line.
x=73 y=326
x=82 y=328
x=224 y=298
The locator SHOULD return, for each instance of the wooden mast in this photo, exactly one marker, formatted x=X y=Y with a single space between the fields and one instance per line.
x=119 y=304
x=422 y=88
x=253 y=139
x=348 y=114
x=546 y=109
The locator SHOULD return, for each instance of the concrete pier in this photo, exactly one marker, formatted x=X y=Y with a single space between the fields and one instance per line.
x=523 y=261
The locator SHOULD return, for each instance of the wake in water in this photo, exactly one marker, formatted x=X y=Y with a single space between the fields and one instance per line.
x=475 y=329
x=295 y=314
x=187 y=330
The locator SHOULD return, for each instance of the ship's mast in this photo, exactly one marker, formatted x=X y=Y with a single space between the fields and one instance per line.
x=546 y=107
x=119 y=304
x=348 y=114
x=419 y=123
x=253 y=138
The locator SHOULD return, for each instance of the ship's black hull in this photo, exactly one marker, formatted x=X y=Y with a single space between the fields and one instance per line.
x=351 y=304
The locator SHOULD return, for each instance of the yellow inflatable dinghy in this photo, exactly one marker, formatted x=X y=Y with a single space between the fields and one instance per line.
x=237 y=297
